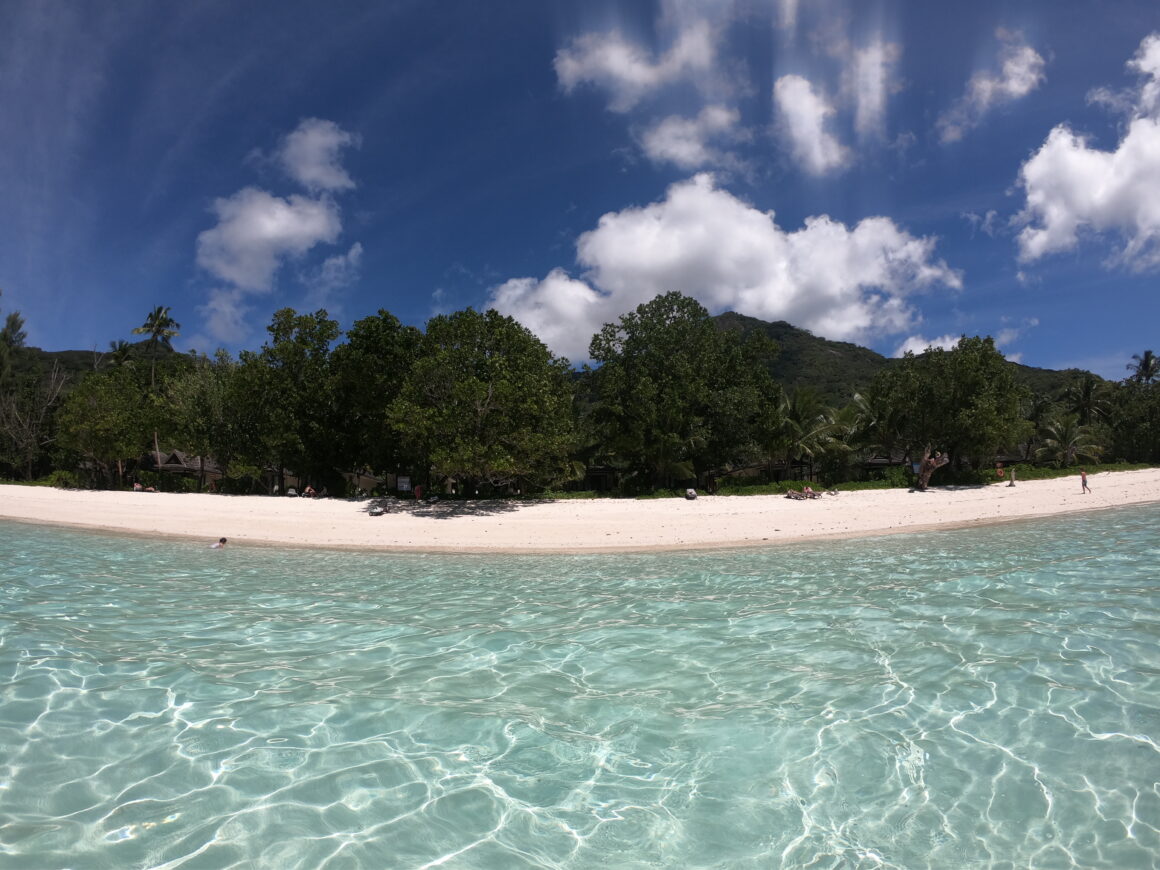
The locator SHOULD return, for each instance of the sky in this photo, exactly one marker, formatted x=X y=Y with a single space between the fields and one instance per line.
x=893 y=174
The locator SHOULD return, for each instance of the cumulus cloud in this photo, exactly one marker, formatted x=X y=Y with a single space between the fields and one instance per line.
x=1020 y=72
x=310 y=155
x=802 y=114
x=688 y=142
x=626 y=70
x=1147 y=64
x=1072 y=188
x=257 y=231
x=701 y=241
x=918 y=344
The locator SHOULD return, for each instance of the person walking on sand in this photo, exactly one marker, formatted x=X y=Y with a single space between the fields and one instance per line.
x=1083 y=482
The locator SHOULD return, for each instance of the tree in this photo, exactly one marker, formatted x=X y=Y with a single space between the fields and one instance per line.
x=964 y=401
x=368 y=372
x=1085 y=398
x=486 y=402
x=298 y=424
x=160 y=328
x=1065 y=441
x=120 y=354
x=1134 y=425
x=1146 y=368
x=12 y=338
x=674 y=395
x=104 y=421
x=26 y=417
x=810 y=427
x=201 y=412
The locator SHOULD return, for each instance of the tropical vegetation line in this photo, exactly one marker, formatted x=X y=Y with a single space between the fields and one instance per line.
x=672 y=397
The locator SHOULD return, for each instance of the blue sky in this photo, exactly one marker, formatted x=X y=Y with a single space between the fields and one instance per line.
x=889 y=173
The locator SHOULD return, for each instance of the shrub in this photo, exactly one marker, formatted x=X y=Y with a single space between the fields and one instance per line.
x=62 y=479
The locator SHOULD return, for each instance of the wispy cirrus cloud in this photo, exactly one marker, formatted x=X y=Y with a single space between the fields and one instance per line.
x=1020 y=71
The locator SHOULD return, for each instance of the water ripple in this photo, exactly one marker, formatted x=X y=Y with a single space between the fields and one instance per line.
x=980 y=698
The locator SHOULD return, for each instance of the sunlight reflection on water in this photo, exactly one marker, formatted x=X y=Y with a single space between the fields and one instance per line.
x=949 y=699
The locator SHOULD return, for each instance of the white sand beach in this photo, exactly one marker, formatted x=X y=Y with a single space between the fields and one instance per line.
x=569 y=526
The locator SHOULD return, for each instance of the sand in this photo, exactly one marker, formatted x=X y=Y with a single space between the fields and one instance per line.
x=568 y=526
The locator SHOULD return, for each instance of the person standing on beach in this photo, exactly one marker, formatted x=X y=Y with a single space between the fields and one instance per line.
x=1083 y=482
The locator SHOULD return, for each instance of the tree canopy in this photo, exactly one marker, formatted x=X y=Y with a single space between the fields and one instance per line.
x=486 y=402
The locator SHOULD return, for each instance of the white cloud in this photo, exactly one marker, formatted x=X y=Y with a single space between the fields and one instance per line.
x=870 y=80
x=1008 y=335
x=1072 y=188
x=787 y=14
x=334 y=274
x=686 y=142
x=803 y=114
x=988 y=222
x=225 y=315
x=702 y=241
x=1147 y=63
x=257 y=231
x=917 y=344
x=562 y=312
x=310 y=155
x=1020 y=72
x=626 y=70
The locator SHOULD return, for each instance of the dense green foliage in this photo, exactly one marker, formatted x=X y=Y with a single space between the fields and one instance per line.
x=476 y=403
x=486 y=403
x=673 y=395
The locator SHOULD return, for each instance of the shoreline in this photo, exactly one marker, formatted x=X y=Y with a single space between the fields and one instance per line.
x=572 y=527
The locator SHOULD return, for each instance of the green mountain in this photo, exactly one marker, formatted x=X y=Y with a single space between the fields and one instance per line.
x=839 y=369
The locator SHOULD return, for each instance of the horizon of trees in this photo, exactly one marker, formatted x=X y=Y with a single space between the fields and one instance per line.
x=476 y=398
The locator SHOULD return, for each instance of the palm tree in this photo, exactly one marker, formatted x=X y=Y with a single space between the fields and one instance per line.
x=1146 y=367
x=159 y=326
x=121 y=353
x=1065 y=441
x=1085 y=398
x=878 y=422
x=809 y=427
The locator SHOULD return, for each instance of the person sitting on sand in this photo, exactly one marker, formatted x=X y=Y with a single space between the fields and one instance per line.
x=221 y=542
x=309 y=491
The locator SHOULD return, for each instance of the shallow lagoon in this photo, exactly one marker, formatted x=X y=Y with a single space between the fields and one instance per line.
x=977 y=698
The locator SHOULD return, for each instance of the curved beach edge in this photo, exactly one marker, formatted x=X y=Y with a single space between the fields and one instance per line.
x=568 y=526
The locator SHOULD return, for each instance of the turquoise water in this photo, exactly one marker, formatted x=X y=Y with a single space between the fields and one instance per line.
x=978 y=698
